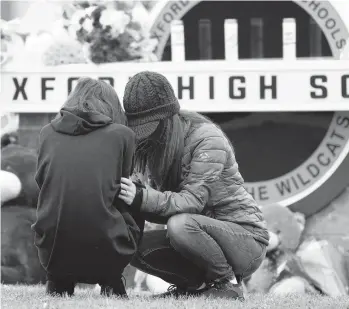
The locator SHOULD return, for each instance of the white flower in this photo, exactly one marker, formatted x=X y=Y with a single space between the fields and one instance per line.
x=145 y=49
x=149 y=58
x=146 y=46
x=77 y=17
x=149 y=45
x=89 y=10
x=39 y=43
x=58 y=32
x=88 y=24
x=40 y=15
x=136 y=35
x=135 y=45
x=108 y=17
x=34 y=49
x=141 y=15
x=117 y=20
x=72 y=30
x=153 y=43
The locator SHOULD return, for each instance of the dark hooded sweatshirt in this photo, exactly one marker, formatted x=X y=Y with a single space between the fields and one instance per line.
x=83 y=229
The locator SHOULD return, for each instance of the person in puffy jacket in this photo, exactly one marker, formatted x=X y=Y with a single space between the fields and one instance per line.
x=84 y=233
x=216 y=234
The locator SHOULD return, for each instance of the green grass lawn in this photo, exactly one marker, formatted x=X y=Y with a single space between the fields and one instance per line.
x=20 y=297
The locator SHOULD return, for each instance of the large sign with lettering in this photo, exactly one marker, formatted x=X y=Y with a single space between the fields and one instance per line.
x=211 y=87
x=326 y=171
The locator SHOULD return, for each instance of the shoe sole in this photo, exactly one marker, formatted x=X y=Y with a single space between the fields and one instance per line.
x=225 y=295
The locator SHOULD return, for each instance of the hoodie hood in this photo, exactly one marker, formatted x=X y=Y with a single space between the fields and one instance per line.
x=73 y=122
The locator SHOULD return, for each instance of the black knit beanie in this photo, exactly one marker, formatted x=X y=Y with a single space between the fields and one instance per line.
x=148 y=98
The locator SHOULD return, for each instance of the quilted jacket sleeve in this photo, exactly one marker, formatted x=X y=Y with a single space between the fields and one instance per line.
x=207 y=163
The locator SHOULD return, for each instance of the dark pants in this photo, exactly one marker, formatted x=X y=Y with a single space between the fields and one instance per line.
x=197 y=249
x=112 y=279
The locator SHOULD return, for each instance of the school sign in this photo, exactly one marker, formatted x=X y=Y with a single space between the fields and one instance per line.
x=218 y=86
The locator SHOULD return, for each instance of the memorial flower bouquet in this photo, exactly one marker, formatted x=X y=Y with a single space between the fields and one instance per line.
x=110 y=32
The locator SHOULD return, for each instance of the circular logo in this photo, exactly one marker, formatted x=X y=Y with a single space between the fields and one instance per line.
x=321 y=176
x=310 y=175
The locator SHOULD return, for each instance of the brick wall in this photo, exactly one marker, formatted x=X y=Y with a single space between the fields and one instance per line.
x=30 y=126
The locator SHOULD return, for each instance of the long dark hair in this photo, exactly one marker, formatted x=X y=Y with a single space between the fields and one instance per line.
x=161 y=153
x=92 y=95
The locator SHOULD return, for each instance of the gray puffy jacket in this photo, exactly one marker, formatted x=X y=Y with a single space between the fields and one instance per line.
x=211 y=184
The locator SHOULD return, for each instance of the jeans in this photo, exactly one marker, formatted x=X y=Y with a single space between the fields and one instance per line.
x=197 y=249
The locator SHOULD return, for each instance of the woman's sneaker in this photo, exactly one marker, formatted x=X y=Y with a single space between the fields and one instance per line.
x=177 y=292
x=225 y=289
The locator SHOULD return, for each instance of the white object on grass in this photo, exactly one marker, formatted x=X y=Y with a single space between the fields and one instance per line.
x=324 y=264
x=139 y=278
x=274 y=241
x=293 y=285
x=97 y=288
x=156 y=285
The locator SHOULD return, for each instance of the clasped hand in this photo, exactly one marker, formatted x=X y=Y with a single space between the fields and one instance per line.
x=128 y=191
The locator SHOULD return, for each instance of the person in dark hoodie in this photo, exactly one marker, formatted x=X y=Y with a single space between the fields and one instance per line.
x=84 y=233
